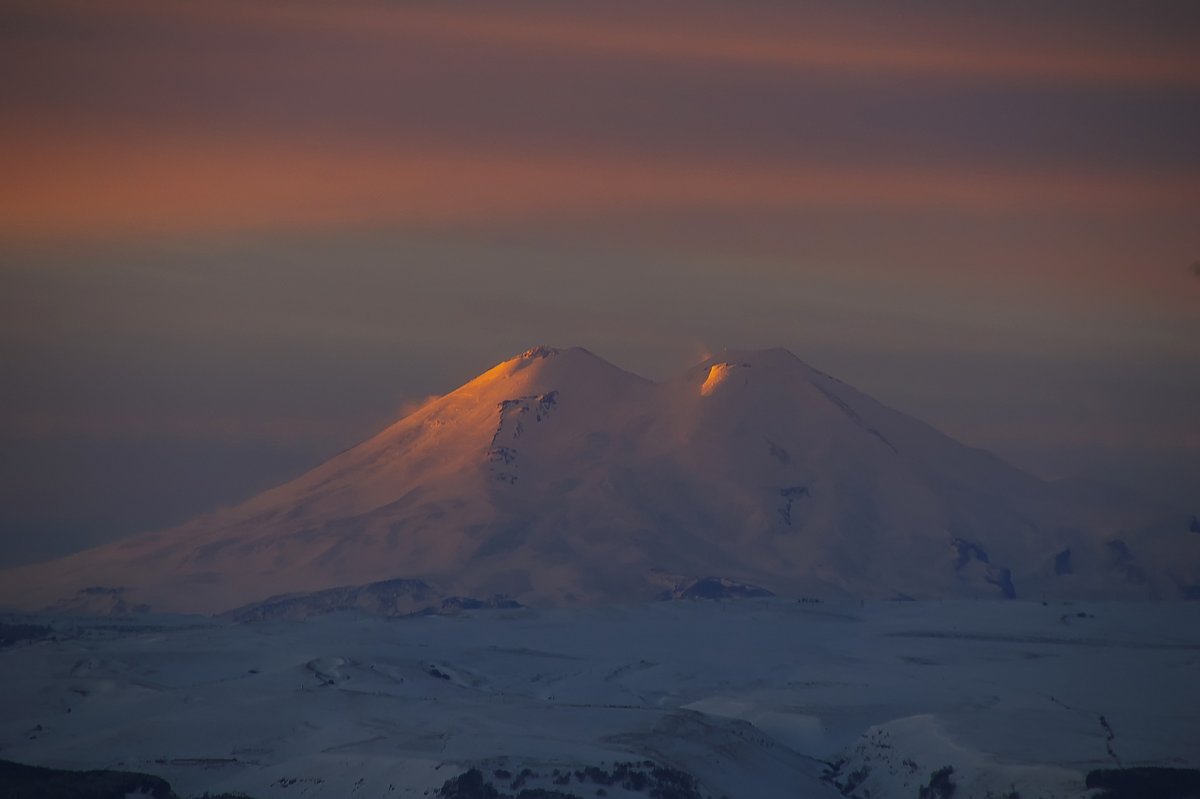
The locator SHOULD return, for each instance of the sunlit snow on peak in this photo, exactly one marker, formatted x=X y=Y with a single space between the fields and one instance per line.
x=718 y=373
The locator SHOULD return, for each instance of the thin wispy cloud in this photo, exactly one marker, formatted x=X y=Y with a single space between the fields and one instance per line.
x=59 y=187
x=231 y=221
x=822 y=36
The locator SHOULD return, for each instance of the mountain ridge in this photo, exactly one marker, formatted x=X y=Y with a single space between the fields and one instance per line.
x=555 y=477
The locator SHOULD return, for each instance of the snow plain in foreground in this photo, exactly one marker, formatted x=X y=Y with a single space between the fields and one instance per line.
x=753 y=698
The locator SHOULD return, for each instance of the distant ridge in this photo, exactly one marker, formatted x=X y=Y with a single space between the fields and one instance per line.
x=556 y=477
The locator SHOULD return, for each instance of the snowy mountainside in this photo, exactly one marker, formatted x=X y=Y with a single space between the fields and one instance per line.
x=558 y=478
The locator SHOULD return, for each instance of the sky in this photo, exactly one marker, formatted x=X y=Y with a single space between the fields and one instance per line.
x=239 y=237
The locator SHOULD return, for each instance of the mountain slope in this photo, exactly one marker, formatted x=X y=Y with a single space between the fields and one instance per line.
x=556 y=477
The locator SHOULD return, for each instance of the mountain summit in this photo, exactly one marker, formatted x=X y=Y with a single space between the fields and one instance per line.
x=556 y=477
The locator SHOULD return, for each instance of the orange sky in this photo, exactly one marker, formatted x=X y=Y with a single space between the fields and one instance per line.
x=984 y=213
x=125 y=183
x=133 y=118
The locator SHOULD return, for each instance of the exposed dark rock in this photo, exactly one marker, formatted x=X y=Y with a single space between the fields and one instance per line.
x=435 y=672
x=852 y=414
x=98 y=600
x=719 y=588
x=941 y=785
x=505 y=455
x=1002 y=579
x=1121 y=560
x=1118 y=551
x=967 y=551
x=790 y=495
x=1062 y=562
x=1145 y=781
x=645 y=777
x=14 y=633
x=457 y=604
x=18 y=781
x=400 y=597
x=468 y=785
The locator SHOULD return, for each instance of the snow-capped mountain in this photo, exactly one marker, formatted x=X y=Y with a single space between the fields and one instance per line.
x=556 y=477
